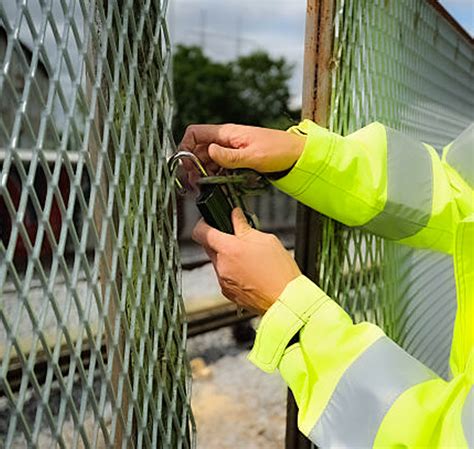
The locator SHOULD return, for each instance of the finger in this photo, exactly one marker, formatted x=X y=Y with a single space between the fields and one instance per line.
x=203 y=155
x=230 y=157
x=241 y=225
x=204 y=135
x=210 y=237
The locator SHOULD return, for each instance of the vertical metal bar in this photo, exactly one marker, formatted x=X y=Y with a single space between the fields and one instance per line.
x=316 y=102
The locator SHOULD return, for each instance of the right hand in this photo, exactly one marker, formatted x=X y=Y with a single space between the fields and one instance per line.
x=238 y=146
x=253 y=268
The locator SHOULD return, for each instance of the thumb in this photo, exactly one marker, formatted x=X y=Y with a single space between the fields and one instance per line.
x=229 y=157
x=241 y=225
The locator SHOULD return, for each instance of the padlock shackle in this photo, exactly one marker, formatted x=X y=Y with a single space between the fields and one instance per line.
x=173 y=160
x=177 y=157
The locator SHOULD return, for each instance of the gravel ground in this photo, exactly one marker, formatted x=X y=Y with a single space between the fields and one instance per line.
x=236 y=406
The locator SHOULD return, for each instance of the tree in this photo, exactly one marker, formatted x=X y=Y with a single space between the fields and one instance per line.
x=203 y=89
x=262 y=88
x=251 y=90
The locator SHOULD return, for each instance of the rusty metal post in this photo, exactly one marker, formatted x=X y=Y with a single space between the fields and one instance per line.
x=316 y=102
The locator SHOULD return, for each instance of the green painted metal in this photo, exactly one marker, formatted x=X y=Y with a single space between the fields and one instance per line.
x=92 y=333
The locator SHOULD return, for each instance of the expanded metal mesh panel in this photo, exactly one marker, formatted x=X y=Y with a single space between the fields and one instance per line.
x=92 y=340
x=404 y=64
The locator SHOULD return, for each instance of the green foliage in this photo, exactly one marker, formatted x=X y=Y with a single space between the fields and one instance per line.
x=251 y=90
x=204 y=92
x=262 y=87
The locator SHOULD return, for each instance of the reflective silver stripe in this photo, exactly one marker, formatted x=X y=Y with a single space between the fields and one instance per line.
x=409 y=189
x=461 y=155
x=468 y=419
x=365 y=393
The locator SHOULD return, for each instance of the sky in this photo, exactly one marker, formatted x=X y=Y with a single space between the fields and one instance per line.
x=226 y=28
x=462 y=11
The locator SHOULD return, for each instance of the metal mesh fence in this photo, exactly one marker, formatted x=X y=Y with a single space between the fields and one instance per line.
x=92 y=340
x=406 y=64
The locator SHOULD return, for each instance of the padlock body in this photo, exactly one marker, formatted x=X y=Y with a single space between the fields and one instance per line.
x=215 y=208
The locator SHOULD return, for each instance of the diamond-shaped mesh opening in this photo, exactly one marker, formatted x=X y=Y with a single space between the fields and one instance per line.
x=91 y=320
x=402 y=63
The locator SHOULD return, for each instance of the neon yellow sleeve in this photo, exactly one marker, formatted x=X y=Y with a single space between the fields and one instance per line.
x=354 y=386
x=377 y=178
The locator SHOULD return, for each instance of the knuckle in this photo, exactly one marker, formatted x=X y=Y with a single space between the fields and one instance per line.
x=272 y=238
x=187 y=132
x=268 y=237
x=188 y=141
x=229 y=127
x=192 y=128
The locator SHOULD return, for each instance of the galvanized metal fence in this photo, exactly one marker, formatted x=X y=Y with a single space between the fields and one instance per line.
x=409 y=65
x=92 y=340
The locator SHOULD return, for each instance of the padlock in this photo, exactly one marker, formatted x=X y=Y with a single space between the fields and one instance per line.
x=213 y=203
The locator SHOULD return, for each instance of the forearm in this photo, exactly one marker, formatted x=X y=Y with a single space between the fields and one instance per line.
x=351 y=383
x=376 y=178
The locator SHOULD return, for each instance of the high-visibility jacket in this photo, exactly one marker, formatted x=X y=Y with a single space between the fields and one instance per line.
x=355 y=388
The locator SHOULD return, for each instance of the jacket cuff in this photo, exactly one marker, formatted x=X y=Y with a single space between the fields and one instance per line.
x=297 y=303
x=314 y=159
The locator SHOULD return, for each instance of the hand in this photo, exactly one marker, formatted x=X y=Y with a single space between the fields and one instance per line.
x=253 y=268
x=238 y=146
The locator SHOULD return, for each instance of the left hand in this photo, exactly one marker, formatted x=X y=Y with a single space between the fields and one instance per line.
x=253 y=268
x=238 y=146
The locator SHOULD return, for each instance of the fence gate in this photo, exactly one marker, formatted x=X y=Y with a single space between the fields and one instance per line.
x=409 y=65
x=92 y=340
